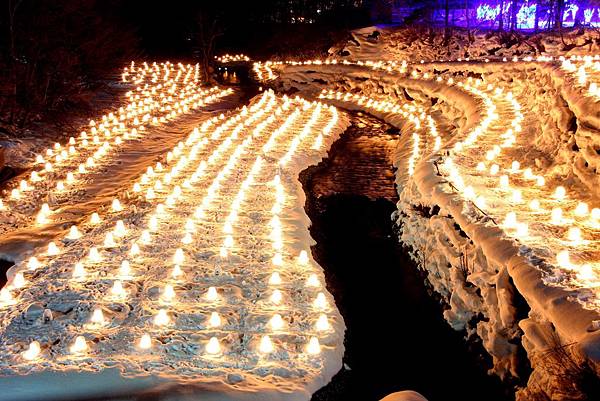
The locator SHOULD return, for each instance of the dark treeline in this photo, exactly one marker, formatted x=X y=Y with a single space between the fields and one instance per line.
x=55 y=54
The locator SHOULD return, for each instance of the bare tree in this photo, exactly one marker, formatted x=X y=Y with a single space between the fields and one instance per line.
x=209 y=27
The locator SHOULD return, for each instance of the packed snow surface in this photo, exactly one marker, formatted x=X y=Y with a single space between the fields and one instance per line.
x=195 y=282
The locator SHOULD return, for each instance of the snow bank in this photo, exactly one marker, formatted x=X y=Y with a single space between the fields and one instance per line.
x=495 y=288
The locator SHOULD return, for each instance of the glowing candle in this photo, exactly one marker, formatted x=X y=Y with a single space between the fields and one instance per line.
x=515 y=166
x=18 y=280
x=78 y=270
x=33 y=263
x=5 y=295
x=534 y=205
x=95 y=219
x=116 y=205
x=214 y=320
x=517 y=197
x=276 y=297
x=303 y=258
x=168 y=293
x=266 y=346
x=97 y=316
x=73 y=233
x=117 y=289
x=145 y=342
x=32 y=352
x=189 y=226
x=494 y=169
x=469 y=192
x=162 y=318
x=60 y=186
x=322 y=323
x=79 y=346
x=176 y=272
x=510 y=221
x=556 y=216
x=313 y=281
x=109 y=241
x=153 y=223
x=586 y=273
x=574 y=234
x=277 y=259
x=120 y=229
x=178 y=257
x=187 y=239
x=563 y=259
x=276 y=322
x=504 y=181
x=52 y=249
x=125 y=269
x=275 y=279
x=212 y=294
x=41 y=218
x=135 y=250
x=540 y=181
x=595 y=213
x=145 y=237
x=213 y=346
x=228 y=241
x=582 y=209
x=313 y=347
x=560 y=193
x=320 y=301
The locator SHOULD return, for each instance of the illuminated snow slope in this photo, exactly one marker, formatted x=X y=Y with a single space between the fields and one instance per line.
x=159 y=95
x=199 y=285
x=498 y=184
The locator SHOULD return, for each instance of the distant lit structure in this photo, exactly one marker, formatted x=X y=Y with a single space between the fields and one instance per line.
x=496 y=14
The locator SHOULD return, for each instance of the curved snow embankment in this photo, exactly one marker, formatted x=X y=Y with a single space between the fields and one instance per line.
x=415 y=43
x=482 y=274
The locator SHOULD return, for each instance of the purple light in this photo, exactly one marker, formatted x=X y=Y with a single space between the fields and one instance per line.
x=488 y=15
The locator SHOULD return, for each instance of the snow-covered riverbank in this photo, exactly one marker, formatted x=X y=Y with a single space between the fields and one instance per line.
x=504 y=279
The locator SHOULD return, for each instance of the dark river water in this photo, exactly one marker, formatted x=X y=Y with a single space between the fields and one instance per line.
x=396 y=338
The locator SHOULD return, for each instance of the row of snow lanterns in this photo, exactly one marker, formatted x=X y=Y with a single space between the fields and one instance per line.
x=159 y=72
x=232 y=58
x=574 y=238
x=588 y=71
x=590 y=65
x=162 y=317
x=79 y=272
x=414 y=114
x=264 y=70
x=152 y=104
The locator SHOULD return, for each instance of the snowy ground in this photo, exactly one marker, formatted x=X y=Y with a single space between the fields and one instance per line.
x=497 y=179
x=194 y=281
